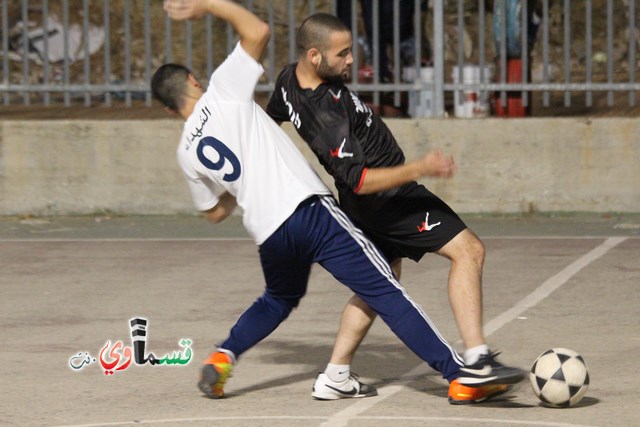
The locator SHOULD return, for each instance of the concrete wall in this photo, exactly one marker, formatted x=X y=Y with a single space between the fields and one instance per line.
x=129 y=167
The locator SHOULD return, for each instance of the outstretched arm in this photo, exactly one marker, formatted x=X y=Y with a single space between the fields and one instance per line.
x=434 y=163
x=254 y=32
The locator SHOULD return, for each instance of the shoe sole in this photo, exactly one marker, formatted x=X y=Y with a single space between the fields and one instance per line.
x=346 y=396
x=208 y=379
x=453 y=401
x=479 y=382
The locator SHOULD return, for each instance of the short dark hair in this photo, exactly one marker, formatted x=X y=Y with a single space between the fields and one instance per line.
x=315 y=31
x=168 y=85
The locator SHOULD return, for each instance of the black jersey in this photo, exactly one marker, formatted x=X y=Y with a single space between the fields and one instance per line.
x=344 y=134
x=348 y=138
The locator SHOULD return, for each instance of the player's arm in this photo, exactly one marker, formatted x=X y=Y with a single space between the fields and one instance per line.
x=222 y=209
x=254 y=32
x=434 y=163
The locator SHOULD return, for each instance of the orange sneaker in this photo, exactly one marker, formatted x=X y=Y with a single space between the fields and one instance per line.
x=462 y=395
x=215 y=372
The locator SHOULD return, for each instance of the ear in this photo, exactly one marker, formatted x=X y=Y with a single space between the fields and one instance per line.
x=171 y=111
x=194 y=81
x=314 y=56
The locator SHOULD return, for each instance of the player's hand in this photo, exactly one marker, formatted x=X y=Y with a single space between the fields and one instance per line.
x=180 y=10
x=434 y=163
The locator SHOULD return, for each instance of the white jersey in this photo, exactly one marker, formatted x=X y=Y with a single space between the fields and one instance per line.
x=230 y=142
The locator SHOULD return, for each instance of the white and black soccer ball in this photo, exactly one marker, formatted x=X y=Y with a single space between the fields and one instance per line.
x=559 y=377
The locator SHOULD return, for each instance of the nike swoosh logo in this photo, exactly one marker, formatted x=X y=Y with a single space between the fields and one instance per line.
x=482 y=372
x=351 y=392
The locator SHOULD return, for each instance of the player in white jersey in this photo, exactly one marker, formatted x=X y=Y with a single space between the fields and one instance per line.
x=229 y=142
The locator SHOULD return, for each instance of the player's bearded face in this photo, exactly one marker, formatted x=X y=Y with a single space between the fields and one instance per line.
x=335 y=73
x=335 y=61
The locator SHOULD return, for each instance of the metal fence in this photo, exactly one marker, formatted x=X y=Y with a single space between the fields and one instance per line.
x=64 y=52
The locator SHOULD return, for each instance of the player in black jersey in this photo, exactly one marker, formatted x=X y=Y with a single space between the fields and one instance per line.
x=380 y=193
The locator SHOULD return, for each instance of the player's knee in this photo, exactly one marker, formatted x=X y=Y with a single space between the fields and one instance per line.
x=476 y=249
x=281 y=306
x=465 y=247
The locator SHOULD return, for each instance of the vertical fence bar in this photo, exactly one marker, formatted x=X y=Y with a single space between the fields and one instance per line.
x=147 y=50
x=312 y=7
x=632 y=50
x=5 y=52
x=375 y=18
x=610 y=50
x=86 y=59
x=481 y=45
x=588 y=47
x=524 y=54
x=209 y=37
x=567 y=50
x=45 y=65
x=438 y=57
x=167 y=39
x=65 y=63
x=107 y=51
x=460 y=46
x=272 y=45
x=292 y=27
x=188 y=30
x=127 y=53
x=417 y=35
x=25 y=49
x=354 y=37
x=545 y=49
x=416 y=55
x=396 y=50
x=503 y=50
x=229 y=37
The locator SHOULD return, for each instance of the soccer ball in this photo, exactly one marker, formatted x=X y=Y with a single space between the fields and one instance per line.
x=559 y=377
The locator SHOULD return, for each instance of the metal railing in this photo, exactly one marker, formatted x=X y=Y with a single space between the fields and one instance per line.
x=104 y=51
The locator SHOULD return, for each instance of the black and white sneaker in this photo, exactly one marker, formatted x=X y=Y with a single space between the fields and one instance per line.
x=487 y=370
x=325 y=389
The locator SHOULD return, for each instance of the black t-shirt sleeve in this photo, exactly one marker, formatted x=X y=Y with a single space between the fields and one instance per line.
x=277 y=109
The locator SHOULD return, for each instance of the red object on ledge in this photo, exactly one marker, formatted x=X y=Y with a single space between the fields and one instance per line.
x=513 y=106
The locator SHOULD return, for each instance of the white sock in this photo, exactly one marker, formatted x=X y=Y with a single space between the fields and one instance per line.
x=337 y=373
x=228 y=353
x=472 y=354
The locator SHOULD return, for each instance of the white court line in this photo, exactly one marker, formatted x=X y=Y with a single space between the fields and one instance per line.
x=186 y=420
x=478 y=420
x=380 y=418
x=343 y=417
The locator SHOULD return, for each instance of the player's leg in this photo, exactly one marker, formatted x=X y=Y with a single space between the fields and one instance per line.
x=286 y=283
x=355 y=322
x=355 y=262
x=466 y=254
x=357 y=318
x=410 y=320
x=337 y=381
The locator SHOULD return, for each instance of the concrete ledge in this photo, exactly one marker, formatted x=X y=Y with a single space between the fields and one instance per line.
x=506 y=166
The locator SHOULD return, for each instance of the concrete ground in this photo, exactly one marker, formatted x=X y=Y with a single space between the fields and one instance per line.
x=69 y=285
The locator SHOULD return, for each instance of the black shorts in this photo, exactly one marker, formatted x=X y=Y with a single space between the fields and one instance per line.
x=407 y=225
